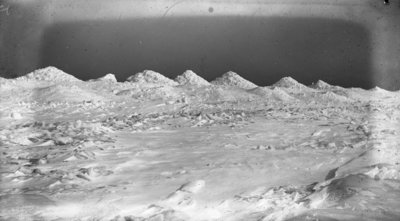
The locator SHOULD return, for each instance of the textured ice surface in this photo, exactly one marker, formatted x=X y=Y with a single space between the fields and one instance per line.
x=152 y=149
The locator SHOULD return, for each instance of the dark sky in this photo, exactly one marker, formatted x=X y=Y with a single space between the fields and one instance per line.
x=352 y=44
x=260 y=49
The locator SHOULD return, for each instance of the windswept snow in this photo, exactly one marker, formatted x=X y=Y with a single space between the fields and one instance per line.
x=232 y=79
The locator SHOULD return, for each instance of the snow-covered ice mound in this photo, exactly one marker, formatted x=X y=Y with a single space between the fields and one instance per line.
x=331 y=96
x=151 y=77
x=192 y=79
x=108 y=77
x=64 y=93
x=274 y=93
x=380 y=91
x=290 y=83
x=49 y=74
x=320 y=84
x=233 y=80
x=282 y=95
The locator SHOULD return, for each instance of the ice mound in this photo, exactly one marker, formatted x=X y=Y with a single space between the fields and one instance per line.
x=320 y=84
x=151 y=77
x=282 y=95
x=331 y=96
x=337 y=90
x=379 y=90
x=49 y=74
x=190 y=78
x=274 y=93
x=234 y=80
x=290 y=83
x=64 y=93
x=108 y=77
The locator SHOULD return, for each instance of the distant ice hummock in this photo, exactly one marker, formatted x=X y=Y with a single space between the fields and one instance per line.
x=320 y=84
x=379 y=90
x=151 y=77
x=234 y=80
x=275 y=93
x=49 y=74
x=288 y=82
x=191 y=78
x=108 y=77
x=331 y=96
